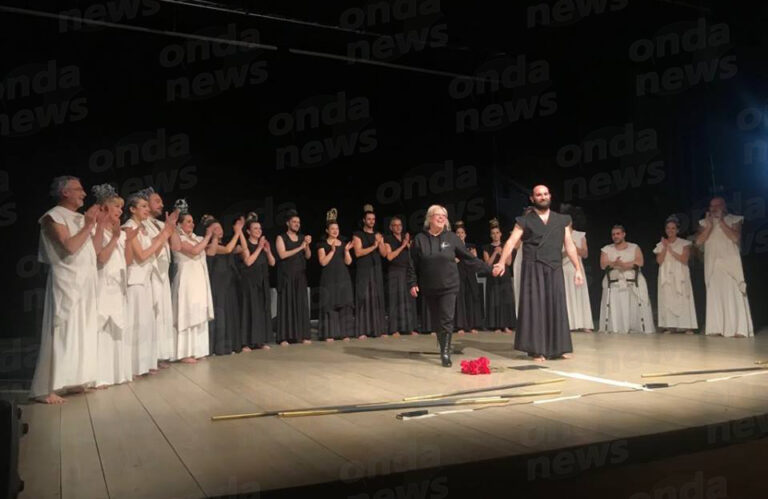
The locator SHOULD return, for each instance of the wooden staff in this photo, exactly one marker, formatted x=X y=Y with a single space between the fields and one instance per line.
x=703 y=371
x=480 y=390
x=382 y=407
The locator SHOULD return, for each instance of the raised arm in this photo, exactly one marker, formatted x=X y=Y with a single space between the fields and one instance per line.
x=705 y=231
x=103 y=256
x=66 y=243
x=192 y=250
x=284 y=253
x=604 y=261
x=359 y=250
x=734 y=234
x=325 y=257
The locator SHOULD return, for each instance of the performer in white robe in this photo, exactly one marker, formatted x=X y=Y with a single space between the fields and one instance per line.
x=191 y=290
x=68 y=344
x=577 y=297
x=140 y=299
x=675 y=297
x=625 y=306
x=727 y=304
x=160 y=279
x=114 y=356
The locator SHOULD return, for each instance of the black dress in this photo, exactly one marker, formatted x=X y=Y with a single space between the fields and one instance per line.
x=469 y=302
x=224 y=334
x=543 y=315
x=369 y=290
x=500 y=296
x=256 y=316
x=401 y=305
x=292 y=300
x=337 y=316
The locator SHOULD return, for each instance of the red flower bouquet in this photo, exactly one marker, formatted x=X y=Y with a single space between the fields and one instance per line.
x=481 y=365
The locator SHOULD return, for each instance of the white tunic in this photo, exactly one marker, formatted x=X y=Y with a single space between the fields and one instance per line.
x=113 y=320
x=192 y=301
x=161 y=292
x=676 y=308
x=517 y=270
x=624 y=306
x=577 y=297
x=141 y=309
x=68 y=343
x=727 y=304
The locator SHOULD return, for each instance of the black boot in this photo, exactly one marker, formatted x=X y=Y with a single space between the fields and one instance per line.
x=445 y=349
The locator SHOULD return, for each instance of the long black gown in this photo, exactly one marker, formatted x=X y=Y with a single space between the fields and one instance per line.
x=256 y=318
x=337 y=300
x=500 y=297
x=292 y=301
x=224 y=334
x=369 y=290
x=469 y=302
x=543 y=316
x=401 y=306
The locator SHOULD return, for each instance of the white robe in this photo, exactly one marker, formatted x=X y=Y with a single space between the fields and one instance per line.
x=517 y=270
x=625 y=307
x=143 y=331
x=727 y=304
x=675 y=298
x=192 y=302
x=161 y=293
x=113 y=320
x=68 y=342
x=576 y=297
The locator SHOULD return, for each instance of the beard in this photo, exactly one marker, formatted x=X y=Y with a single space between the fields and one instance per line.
x=542 y=205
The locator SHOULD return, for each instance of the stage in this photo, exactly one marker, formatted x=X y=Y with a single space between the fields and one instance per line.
x=155 y=438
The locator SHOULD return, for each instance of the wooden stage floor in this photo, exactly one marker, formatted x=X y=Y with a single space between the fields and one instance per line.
x=154 y=437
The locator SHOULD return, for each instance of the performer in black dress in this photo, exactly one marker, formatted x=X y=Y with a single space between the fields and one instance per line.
x=469 y=302
x=256 y=258
x=337 y=316
x=401 y=305
x=542 y=328
x=434 y=273
x=369 y=278
x=500 y=298
x=224 y=332
x=293 y=249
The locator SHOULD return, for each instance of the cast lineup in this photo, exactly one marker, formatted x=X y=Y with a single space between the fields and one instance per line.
x=127 y=293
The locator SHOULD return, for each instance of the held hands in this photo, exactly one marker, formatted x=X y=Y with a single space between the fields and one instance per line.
x=209 y=231
x=92 y=215
x=307 y=241
x=498 y=269
x=238 y=226
x=406 y=240
x=131 y=233
x=349 y=246
x=379 y=239
x=415 y=291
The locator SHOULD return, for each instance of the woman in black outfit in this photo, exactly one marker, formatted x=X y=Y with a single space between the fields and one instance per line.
x=257 y=257
x=294 y=250
x=401 y=305
x=435 y=274
x=500 y=301
x=224 y=331
x=469 y=303
x=337 y=316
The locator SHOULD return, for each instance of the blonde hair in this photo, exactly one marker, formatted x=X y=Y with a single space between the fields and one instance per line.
x=433 y=210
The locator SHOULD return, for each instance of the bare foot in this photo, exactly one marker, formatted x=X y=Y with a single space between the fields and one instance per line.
x=414 y=333
x=345 y=339
x=362 y=337
x=163 y=365
x=329 y=340
x=460 y=331
x=306 y=342
x=539 y=358
x=265 y=347
x=385 y=336
x=51 y=398
x=689 y=332
x=102 y=387
x=587 y=330
x=567 y=355
x=396 y=334
x=507 y=331
x=189 y=360
x=246 y=349
x=153 y=371
x=284 y=343
x=433 y=333
x=497 y=331
x=474 y=331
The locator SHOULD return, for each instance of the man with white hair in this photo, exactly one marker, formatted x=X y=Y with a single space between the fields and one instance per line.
x=727 y=304
x=69 y=242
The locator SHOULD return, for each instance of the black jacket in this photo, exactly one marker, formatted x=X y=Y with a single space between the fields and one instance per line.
x=433 y=266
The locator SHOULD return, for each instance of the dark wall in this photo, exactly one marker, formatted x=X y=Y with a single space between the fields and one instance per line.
x=631 y=111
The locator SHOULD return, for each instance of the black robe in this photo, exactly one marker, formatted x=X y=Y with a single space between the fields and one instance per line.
x=469 y=302
x=542 y=326
x=337 y=317
x=500 y=297
x=370 y=316
x=401 y=306
x=256 y=317
x=292 y=300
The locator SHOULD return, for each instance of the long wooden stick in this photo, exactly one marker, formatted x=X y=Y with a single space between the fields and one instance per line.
x=702 y=371
x=382 y=407
x=481 y=390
